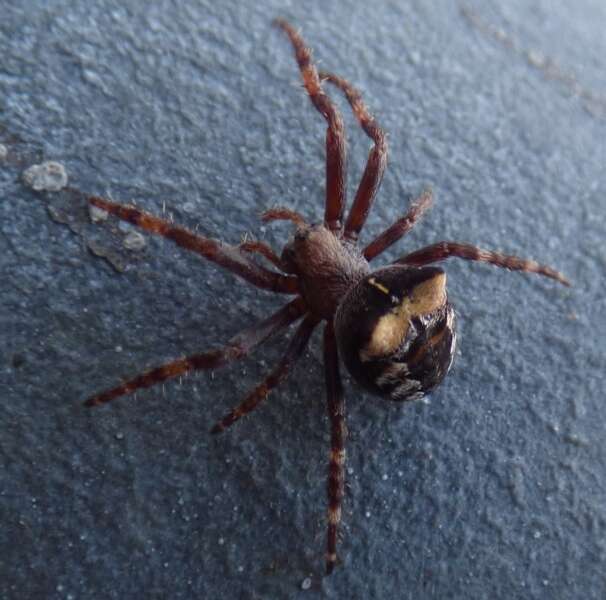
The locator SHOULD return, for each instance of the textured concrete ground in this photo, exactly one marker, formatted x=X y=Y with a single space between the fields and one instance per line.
x=493 y=489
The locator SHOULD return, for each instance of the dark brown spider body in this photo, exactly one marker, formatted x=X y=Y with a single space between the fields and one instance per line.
x=393 y=326
x=396 y=331
x=326 y=267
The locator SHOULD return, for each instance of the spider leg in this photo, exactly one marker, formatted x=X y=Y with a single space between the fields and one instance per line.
x=336 y=187
x=237 y=347
x=400 y=228
x=255 y=397
x=338 y=435
x=264 y=250
x=443 y=250
x=283 y=214
x=225 y=255
x=377 y=159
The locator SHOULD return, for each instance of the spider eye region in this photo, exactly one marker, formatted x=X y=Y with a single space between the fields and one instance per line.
x=396 y=331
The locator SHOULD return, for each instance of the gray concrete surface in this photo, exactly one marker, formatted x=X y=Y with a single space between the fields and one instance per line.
x=493 y=489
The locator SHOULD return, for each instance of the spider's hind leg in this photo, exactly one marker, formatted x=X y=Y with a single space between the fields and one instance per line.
x=338 y=435
x=239 y=345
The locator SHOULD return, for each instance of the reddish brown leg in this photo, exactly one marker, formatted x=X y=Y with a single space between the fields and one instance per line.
x=443 y=250
x=400 y=228
x=338 y=434
x=240 y=345
x=283 y=214
x=254 y=398
x=229 y=257
x=377 y=159
x=264 y=250
x=335 y=134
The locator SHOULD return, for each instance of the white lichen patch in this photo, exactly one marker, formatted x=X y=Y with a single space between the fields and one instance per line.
x=134 y=240
x=48 y=176
x=3 y=151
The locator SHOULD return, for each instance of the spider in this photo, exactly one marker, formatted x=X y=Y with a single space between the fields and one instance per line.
x=393 y=327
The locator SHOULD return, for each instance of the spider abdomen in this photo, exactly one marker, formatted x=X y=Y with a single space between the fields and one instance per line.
x=396 y=331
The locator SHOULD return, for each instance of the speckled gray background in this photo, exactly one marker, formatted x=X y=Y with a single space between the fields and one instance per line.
x=493 y=489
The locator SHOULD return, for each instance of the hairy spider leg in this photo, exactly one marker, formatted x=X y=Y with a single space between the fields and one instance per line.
x=400 y=228
x=265 y=250
x=295 y=348
x=377 y=159
x=278 y=213
x=338 y=435
x=336 y=186
x=237 y=347
x=281 y=213
x=443 y=250
x=225 y=255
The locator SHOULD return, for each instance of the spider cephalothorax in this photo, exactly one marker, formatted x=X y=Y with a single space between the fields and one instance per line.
x=326 y=267
x=393 y=326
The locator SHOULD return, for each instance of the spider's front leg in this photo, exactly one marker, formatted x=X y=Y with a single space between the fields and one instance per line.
x=264 y=250
x=400 y=228
x=444 y=250
x=226 y=256
x=338 y=434
x=377 y=159
x=336 y=187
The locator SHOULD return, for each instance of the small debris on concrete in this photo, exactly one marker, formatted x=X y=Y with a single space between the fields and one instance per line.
x=306 y=583
x=134 y=241
x=97 y=214
x=49 y=176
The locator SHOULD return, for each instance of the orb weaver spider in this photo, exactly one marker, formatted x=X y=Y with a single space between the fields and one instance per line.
x=393 y=327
